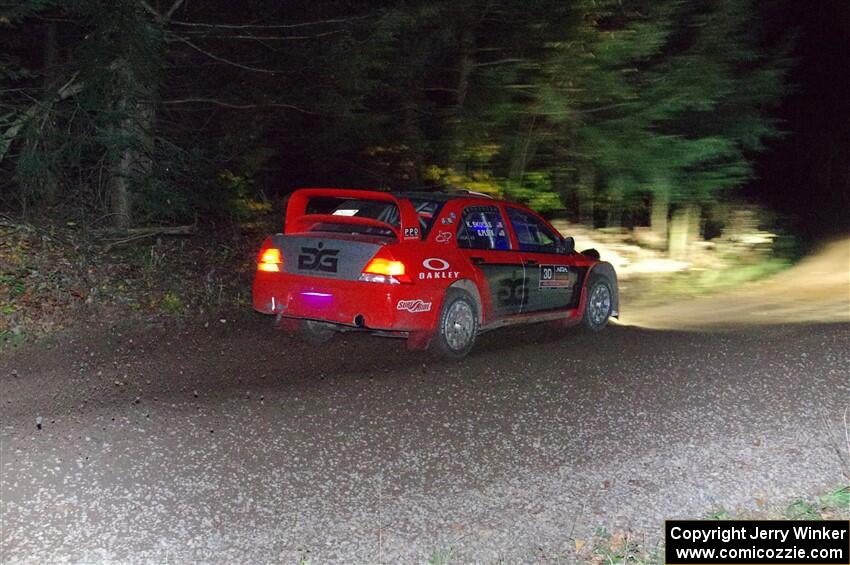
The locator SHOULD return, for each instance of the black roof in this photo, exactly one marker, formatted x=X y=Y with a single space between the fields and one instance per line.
x=440 y=196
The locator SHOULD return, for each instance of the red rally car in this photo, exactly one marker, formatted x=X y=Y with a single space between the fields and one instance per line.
x=435 y=268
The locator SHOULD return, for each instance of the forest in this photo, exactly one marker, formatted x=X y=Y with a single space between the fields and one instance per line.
x=120 y=113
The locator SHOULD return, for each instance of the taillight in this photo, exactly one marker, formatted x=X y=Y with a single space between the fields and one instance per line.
x=387 y=267
x=269 y=260
x=381 y=270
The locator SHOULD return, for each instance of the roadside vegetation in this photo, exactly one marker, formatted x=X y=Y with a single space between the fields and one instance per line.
x=56 y=277
x=744 y=244
x=632 y=548
x=628 y=548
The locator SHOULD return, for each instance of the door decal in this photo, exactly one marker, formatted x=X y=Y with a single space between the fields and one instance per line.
x=557 y=276
x=512 y=293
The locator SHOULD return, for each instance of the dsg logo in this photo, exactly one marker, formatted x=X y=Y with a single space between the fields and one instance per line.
x=318 y=259
x=512 y=293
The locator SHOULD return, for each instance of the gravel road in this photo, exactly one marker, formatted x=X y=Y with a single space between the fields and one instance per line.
x=231 y=443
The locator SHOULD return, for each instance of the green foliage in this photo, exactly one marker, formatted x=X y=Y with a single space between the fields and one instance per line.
x=14 y=283
x=14 y=13
x=719 y=514
x=619 y=549
x=839 y=498
x=13 y=338
x=533 y=190
x=440 y=557
x=592 y=103
x=244 y=199
x=836 y=501
x=171 y=302
x=801 y=510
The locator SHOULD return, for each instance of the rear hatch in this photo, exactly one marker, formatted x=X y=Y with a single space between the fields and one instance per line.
x=327 y=255
x=333 y=233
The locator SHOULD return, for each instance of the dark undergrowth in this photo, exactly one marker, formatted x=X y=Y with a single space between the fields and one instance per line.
x=53 y=277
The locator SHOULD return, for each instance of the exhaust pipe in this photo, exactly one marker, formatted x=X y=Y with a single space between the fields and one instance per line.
x=360 y=321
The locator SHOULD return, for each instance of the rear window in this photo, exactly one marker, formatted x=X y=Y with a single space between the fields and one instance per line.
x=386 y=212
x=427 y=210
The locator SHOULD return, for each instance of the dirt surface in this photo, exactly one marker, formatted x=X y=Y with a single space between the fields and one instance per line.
x=815 y=290
x=231 y=443
x=224 y=441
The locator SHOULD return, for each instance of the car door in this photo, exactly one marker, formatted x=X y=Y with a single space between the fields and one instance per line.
x=552 y=279
x=482 y=236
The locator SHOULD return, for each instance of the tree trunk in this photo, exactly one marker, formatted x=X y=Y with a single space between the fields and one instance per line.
x=37 y=182
x=51 y=183
x=614 y=217
x=524 y=148
x=684 y=227
x=413 y=140
x=133 y=162
x=659 y=214
x=120 y=189
x=465 y=66
x=585 y=191
x=616 y=192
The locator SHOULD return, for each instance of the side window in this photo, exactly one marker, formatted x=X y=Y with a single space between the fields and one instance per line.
x=533 y=234
x=482 y=227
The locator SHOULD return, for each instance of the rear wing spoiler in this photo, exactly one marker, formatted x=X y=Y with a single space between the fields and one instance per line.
x=298 y=220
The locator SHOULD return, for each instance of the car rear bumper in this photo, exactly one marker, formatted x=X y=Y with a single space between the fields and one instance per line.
x=351 y=303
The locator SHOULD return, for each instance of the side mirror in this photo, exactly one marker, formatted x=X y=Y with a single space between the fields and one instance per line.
x=592 y=253
x=569 y=245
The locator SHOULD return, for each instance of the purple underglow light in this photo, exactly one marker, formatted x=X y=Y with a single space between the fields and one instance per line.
x=317 y=299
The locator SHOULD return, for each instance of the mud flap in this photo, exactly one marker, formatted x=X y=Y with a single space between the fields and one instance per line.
x=419 y=341
x=288 y=325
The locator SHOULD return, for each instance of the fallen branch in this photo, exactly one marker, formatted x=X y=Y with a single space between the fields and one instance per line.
x=239 y=106
x=67 y=90
x=272 y=26
x=135 y=234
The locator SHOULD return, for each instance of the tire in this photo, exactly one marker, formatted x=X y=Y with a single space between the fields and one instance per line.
x=457 y=326
x=316 y=333
x=599 y=303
